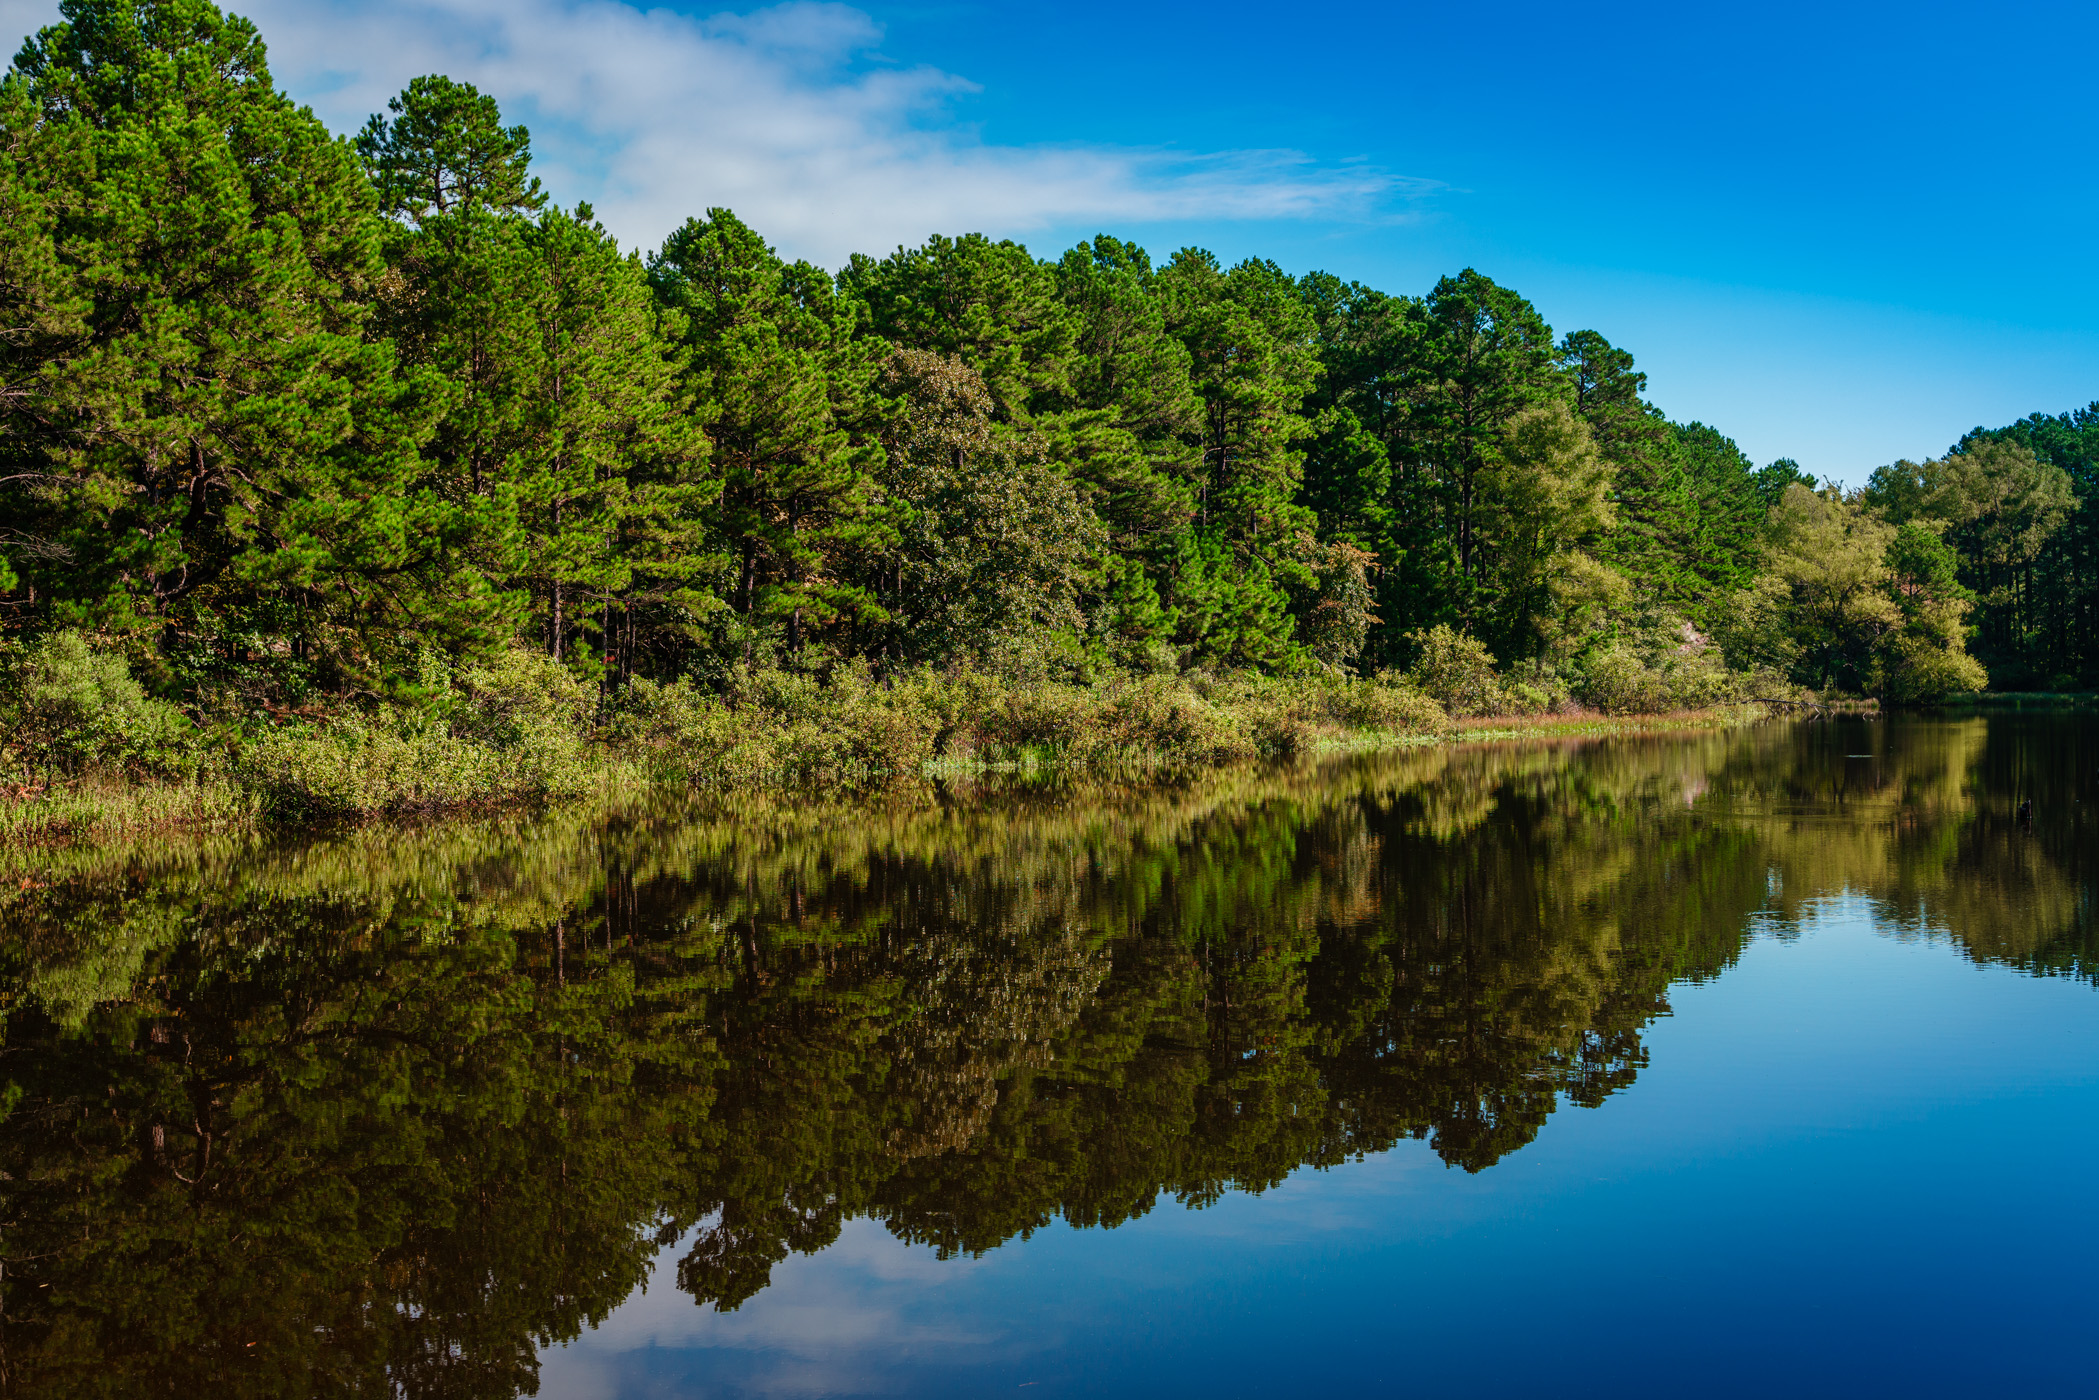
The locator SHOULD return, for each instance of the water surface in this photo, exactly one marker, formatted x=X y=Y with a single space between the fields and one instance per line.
x=1738 y=1063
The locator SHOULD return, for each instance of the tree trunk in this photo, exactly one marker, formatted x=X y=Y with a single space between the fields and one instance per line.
x=554 y=622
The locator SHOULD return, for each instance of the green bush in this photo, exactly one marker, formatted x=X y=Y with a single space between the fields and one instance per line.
x=523 y=697
x=519 y=727
x=67 y=707
x=522 y=726
x=1526 y=698
x=889 y=730
x=1279 y=727
x=535 y=715
x=774 y=726
x=355 y=767
x=680 y=732
x=1619 y=681
x=1160 y=719
x=1390 y=703
x=1456 y=671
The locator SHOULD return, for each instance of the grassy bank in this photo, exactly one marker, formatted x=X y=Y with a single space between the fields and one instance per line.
x=2020 y=700
x=95 y=756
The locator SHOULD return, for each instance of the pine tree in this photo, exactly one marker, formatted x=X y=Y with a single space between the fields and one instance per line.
x=609 y=447
x=1724 y=505
x=566 y=447
x=455 y=307
x=1368 y=488
x=1647 y=488
x=2062 y=646
x=784 y=388
x=991 y=305
x=1484 y=356
x=1249 y=338
x=207 y=444
x=1130 y=435
x=446 y=150
x=1412 y=415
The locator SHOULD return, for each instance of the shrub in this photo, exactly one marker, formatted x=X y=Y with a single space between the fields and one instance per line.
x=356 y=767
x=69 y=707
x=775 y=726
x=889 y=731
x=1927 y=674
x=1619 y=681
x=683 y=733
x=1158 y=719
x=1278 y=727
x=523 y=697
x=1456 y=671
x=519 y=727
x=1525 y=698
x=1389 y=703
x=1048 y=715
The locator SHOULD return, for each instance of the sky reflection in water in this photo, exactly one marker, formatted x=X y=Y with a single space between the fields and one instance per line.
x=1855 y=1165
x=1729 y=1063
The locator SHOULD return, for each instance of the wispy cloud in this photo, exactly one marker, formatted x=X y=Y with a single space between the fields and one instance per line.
x=787 y=114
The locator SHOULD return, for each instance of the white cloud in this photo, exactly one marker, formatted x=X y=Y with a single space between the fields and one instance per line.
x=842 y=1320
x=785 y=114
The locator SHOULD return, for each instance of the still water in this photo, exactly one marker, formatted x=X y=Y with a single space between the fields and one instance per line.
x=1754 y=1063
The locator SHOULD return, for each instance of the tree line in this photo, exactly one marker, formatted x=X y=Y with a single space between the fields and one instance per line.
x=287 y=411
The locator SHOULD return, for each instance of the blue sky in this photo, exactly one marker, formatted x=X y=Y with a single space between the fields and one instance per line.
x=1840 y=233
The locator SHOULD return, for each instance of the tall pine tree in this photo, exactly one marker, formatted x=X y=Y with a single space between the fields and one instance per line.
x=785 y=391
x=203 y=440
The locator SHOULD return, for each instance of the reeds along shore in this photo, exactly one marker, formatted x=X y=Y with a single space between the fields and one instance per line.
x=90 y=752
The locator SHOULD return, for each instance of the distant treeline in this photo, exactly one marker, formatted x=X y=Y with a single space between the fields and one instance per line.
x=291 y=413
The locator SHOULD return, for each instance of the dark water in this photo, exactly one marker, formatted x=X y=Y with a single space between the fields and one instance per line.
x=1743 y=1064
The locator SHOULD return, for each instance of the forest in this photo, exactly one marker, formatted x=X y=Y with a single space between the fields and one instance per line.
x=306 y=432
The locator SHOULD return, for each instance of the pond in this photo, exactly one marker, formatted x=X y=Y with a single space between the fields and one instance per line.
x=1739 y=1062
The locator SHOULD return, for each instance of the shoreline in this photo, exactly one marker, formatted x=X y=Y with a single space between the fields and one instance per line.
x=84 y=813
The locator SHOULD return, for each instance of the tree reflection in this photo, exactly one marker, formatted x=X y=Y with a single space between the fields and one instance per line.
x=387 y=1111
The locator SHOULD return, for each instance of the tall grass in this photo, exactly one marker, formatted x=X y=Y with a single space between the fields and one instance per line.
x=770 y=728
x=524 y=729
x=102 y=805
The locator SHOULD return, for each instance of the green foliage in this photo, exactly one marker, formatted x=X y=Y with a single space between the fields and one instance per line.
x=523 y=697
x=446 y=149
x=2060 y=645
x=202 y=425
x=1920 y=561
x=1388 y=703
x=67 y=706
x=1456 y=671
x=1542 y=501
x=1998 y=506
x=320 y=430
x=849 y=733
x=519 y=728
x=1129 y=427
x=991 y=305
x=1431 y=448
x=782 y=390
x=1620 y=680
x=1853 y=603
x=991 y=541
x=1337 y=627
